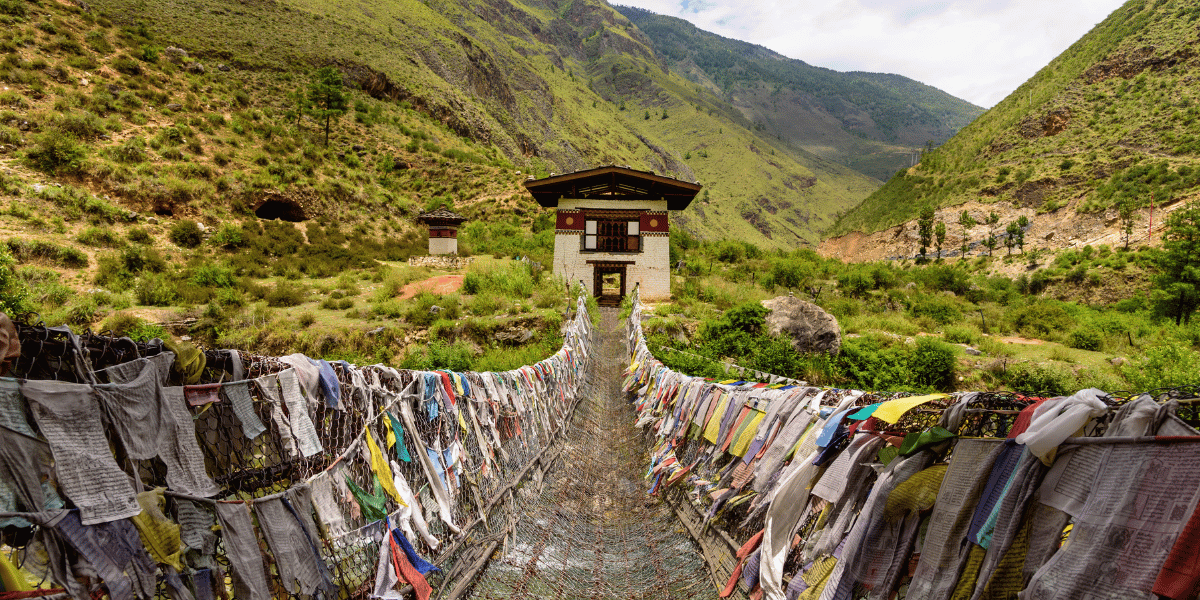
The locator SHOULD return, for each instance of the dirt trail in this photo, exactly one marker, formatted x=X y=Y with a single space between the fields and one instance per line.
x=442 y=284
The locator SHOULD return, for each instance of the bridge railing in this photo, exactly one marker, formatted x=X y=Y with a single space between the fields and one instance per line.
x=361 y=455
x=838 y=493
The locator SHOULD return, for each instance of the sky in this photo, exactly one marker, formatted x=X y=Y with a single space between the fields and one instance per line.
x=978 y=50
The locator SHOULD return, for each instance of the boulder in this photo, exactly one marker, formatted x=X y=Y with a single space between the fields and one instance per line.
x=175 y=55
x=810 y=328
x=514 y=335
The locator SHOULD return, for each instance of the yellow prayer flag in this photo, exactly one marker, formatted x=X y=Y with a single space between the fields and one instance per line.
x=892 y=410
x=382 y=470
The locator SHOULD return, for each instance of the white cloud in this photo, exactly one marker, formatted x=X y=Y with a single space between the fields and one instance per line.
x=979 y=50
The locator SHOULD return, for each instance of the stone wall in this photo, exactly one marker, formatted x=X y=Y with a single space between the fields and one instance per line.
x=443 y=262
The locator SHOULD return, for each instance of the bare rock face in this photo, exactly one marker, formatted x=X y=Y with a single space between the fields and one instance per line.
x=810 y=328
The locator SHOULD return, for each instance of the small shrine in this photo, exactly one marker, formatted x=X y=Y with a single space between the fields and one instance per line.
x=443 y=230
x=611 y=228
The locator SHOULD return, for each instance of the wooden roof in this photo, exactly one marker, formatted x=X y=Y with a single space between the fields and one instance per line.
x=613 y=183
x=441 y=216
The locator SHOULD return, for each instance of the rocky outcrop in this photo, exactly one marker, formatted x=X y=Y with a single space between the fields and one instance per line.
x=1129 y=63
x=810 y=328
x=1048 y=125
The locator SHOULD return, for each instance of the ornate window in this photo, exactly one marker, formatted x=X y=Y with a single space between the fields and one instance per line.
x=611 y=236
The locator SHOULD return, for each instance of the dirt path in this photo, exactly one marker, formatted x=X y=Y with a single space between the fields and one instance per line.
x=442 y=284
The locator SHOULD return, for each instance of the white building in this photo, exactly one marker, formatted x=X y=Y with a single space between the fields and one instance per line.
x=443 y=230
x=611 y=229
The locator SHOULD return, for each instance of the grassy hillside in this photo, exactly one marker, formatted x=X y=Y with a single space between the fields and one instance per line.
x=869 y=121
x=1111 y=121
x=534 y=87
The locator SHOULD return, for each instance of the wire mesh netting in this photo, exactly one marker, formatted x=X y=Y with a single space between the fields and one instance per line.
x=457 y=447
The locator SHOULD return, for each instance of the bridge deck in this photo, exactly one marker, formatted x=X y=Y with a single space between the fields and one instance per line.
x=586 y=528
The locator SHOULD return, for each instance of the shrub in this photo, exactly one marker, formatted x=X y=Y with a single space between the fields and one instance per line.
x=153 y=289
x=286 y=294
x=1041 y=379
x=229 y=236
x=1167 y=365
x=419 y=308
x=932 y=364
x=57 y=152
x=28 y=250
x=100 y=236
x=961 y=335
x=1041 y=319
x=186 y=234
x=1086 y=338
x=132 y=150
x=213 y=275
x=14 y=294
x=874 y=363
x=138 y=235
x=306 y=318
x=440 y=355
x=939 y=308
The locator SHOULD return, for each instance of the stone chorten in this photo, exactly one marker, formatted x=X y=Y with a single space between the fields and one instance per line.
x=443 y=230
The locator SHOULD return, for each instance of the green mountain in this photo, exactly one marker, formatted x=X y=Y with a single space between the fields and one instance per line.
x=454 y=97
x=871 y=122
x=1109 y=122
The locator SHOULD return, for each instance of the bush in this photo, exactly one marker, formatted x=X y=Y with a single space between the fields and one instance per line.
x=186 y=234
x=512 y=279
x=138 y=235
x=214 y=275
x=1042 y=319
x=939 y=308
x=1086 y=339
x=961 y=335
x=418 y=312
x=932 y=364
x=1167 y=365
x=132 y=150
x=29 y=250
x=286 y=294
x=57 y=152
x=874 y=363
x=229 y=236
x=153 y=289
x=1044 y=380
x=99 y=236
x=14 y=294
x=440 y=355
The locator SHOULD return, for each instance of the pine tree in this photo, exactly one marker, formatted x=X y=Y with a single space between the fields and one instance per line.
x=925 y=229
x=327 y=96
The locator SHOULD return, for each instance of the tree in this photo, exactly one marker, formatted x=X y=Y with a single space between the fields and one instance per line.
x=327 y=96
x=1127 y=213
x=1177 y=284
x=990 y=242
x=925 y=228
x=939 y=234
x=1022 y=223
x=966 y=221
x=299 y=100
x=1010 y=239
